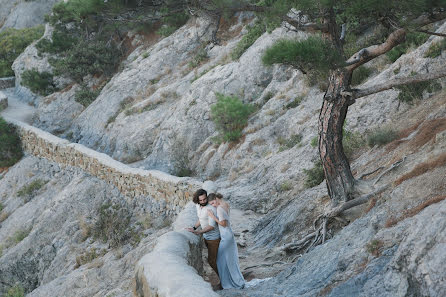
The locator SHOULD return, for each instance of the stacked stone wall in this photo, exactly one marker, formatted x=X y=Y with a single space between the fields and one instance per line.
x=174 y=191
x=7 y=82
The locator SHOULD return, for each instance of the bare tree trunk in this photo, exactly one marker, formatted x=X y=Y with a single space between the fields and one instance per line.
x=338 y=175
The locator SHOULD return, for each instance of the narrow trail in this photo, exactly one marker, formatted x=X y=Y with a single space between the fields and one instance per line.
x=17 y=109
x=243 y=222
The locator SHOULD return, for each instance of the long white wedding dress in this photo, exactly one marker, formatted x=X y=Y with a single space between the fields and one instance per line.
x=227 y=258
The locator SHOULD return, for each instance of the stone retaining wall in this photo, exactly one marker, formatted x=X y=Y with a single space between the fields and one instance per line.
x=132 y=182
x=3 y=101
x=7 y=82
x=172 y=269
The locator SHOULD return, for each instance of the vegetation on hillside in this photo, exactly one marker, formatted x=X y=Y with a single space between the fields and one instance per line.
x=89 y=38
x=12 y=43
x=230 y=116
x=10 y=146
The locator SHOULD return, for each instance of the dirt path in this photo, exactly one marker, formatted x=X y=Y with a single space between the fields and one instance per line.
x=254 y=262
x=17 y=109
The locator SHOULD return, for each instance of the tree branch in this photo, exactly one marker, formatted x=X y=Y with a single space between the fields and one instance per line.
x=311 y=27
x=371 y=52
x=355 y=202
x=432 y=33
x=358 y=93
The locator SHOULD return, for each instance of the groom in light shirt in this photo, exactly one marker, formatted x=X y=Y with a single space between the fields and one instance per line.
x=209 y=227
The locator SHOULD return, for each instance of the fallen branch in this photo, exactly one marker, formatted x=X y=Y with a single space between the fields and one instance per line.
x=394 y=165
x=355 y=202
x=296 y=244
x=370 y=173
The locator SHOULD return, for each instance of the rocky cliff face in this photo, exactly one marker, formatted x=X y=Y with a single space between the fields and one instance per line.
x=45 y=233
x=23 y=14
x=156 y=112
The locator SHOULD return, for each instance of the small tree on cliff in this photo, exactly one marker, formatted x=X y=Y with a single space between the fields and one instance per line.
x=326 y=52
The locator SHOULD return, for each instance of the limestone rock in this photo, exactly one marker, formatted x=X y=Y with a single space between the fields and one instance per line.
x=21 y=14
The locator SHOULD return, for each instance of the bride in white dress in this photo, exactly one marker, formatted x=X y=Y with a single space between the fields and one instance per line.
x=227 y=257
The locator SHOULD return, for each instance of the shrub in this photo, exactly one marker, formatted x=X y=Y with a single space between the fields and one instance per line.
x=435 y=49
x=113 y=225
x=351 y=142
x=381 y=136
x=314 y=141
x=20 y=235
x=15 y=291
x=180 y=159
x=295 y=103
x=374 y=247
x=1 y=207
x=75 y=10
x=412 y=40
x=285 y=186
x=27 y=192
x=10 y=145
x=199 y=57
x=286 y=144
x=87 y=57
x=313 y=53
x=39 y=82
x=314 y=175
x=166 y=30
x=12 y=43
x=89 y=255
x=409 y=93
x=60 y=42
x=172 y=21
x=254 y=32
x=86 y=96
x=360 y=75
x=230 y=116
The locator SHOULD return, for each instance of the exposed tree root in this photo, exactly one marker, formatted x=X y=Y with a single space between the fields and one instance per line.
x=266 y=265
x=320 y=224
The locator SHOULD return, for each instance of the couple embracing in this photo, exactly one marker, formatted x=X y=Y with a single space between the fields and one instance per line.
x=213 y=218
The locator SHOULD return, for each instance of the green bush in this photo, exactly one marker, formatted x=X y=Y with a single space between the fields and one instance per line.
x=230 y=116
x=12 y=43
x=254 y=32
x=86 y=96
x=314 y=141
x=381 y=136
x=435 y=49
x=75 y=11
x=171 y=22
x=314 y=56
x=15 y=291
x=60 y=42
x=285 y=186
x=10 y=145
x=19 y=235
x=286 y=144
x=295 y=103
x=313 y=53
x=199 y=57
x=314 y=175
x=360 y=75
x=351 y=142
x=166 y=30
x=412 y=40
x=89 y=255
x=30 y=190
x=87 y=57
x=113 y=225
x=409 y=93
x=39 y=82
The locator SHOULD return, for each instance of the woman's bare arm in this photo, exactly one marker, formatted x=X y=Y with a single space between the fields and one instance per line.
x=223 y=223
